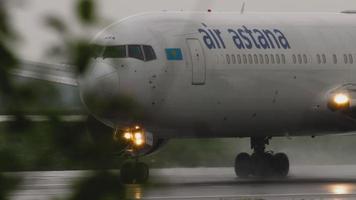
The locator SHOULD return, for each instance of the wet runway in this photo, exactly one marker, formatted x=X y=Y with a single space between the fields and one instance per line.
x=304 y=183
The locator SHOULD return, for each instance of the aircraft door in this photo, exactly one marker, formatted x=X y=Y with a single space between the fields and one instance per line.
x=197 y=61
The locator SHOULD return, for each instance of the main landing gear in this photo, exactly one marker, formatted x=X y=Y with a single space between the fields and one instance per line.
x=261 y=163
x=134 y=172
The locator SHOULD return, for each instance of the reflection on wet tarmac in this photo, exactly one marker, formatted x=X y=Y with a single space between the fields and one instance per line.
x=341 y=188
x=304 y=183
x=134 y=192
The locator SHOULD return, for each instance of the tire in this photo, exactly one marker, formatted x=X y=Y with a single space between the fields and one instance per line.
x=262 y=164
x=281 y=164
x=134 y=173
x=243 y=165
x=127 y=173
x=142 y=172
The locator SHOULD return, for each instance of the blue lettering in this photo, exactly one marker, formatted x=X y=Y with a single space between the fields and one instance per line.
x=251 y=36
x=248 y=43
x=261 y=38
x=237 y=39
x=207 y=39
x=282 y=39
x=270 y=35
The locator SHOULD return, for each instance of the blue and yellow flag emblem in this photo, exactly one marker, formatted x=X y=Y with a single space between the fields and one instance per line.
x=174 y=54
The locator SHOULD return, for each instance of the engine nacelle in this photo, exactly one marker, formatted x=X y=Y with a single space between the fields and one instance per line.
x=139 y=141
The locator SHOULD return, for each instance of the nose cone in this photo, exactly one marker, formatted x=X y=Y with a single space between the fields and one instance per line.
x=100 y=92
x=98 y=86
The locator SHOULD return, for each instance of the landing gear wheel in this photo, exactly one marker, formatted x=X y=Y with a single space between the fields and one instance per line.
x=280 y=164
x=142 y=172
x=243 y=165
x=262 y=164
x=134 y=173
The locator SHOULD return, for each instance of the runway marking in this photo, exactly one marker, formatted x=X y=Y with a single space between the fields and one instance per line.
x=307 y=196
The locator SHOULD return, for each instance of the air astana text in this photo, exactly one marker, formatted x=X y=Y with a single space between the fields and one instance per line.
x=245 y=38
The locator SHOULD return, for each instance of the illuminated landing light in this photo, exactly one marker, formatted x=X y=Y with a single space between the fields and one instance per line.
x=128 y=136
x=341 y=99
x=139 y=142
x=138 y=136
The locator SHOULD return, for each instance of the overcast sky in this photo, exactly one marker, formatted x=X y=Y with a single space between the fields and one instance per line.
x=29 y=17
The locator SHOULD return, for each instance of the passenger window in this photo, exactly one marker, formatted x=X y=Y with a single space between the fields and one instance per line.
x=149 y=53
x=299 y=59
x=283 y=59
x=239 y=59
x=135 y=51
x=335 y=59
x=244 y=59
x=233 y=59
x=249 y=58
x=261 y=59
x=272 y=59
x=97 y=50
x=255 y=58
x=345 y=58
x=318 y=59
x=351 y=60
x=294 y=59
x=228 y=59
x=305 y=59
x=324 y=58
x=115 y=52
x=278 y=60
x=267 y=59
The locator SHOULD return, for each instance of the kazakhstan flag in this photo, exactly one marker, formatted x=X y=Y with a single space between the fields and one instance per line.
x=174 y=54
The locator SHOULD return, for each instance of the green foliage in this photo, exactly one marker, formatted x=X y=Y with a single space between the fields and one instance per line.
x=53 y=144
x=86 y=11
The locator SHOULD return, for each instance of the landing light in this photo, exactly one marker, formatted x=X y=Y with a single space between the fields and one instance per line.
x=139 y=142
x=341 y=99
x=138 y=136
x=135 y=136
x=127 y=136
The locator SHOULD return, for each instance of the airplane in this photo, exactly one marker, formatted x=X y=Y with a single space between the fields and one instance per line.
x=162 y=75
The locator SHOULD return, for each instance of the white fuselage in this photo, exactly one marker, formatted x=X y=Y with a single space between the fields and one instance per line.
x=232 y=79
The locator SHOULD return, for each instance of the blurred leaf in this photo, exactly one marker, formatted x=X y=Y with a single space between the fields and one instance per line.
x=56 y=24
x=81 y=55
x=86 y=11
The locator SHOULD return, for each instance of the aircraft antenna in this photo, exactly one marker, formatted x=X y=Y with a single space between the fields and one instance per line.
x=243 y=8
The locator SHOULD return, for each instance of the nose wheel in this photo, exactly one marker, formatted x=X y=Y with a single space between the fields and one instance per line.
x=261 y=163
x=134 y=172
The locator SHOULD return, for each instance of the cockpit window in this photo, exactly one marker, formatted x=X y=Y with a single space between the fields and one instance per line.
x=135 y=51
x=149 y=53
x=141 y=52
x=115 y=52
x=96 y=51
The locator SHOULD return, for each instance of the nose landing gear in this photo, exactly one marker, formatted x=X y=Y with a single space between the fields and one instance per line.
x=261 y=163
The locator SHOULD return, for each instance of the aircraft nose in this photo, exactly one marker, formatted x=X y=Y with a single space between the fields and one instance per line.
x=98 y=84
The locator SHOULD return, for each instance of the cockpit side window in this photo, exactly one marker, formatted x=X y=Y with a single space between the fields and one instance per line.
x=97 y=51
x=141 y=52
x=115 y=52
x=149 y=53
x=135 y=51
